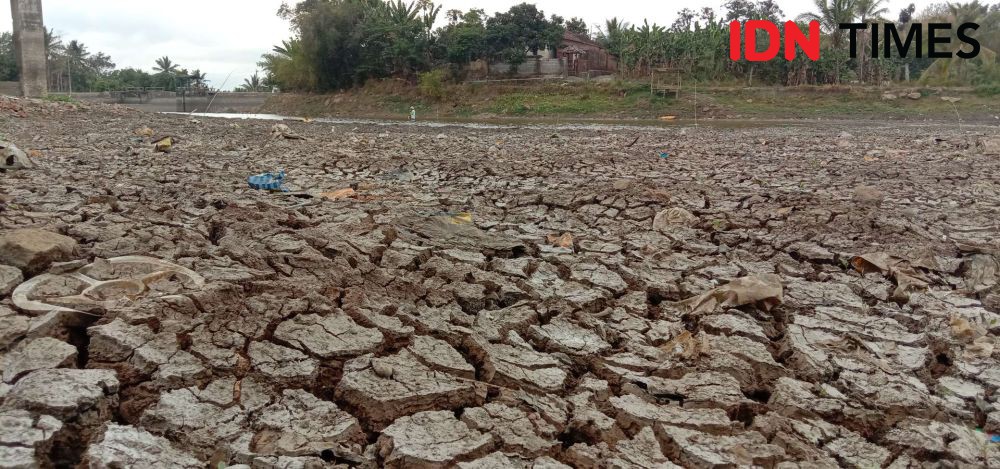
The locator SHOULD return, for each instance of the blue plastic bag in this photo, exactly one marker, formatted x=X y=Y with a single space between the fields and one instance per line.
x=267 y=181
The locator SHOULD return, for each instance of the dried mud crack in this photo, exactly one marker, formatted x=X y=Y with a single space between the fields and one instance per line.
x=486 y=297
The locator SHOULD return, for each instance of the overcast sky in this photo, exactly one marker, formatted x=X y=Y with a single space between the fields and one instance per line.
x=228 y=36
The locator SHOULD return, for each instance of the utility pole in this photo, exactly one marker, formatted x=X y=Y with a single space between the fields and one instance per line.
x=29 y=46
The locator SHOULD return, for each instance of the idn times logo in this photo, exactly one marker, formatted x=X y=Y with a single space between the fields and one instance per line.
x=886 y=40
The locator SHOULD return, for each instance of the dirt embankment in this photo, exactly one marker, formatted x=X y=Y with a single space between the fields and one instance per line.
x=632 y=100
x=603 y=297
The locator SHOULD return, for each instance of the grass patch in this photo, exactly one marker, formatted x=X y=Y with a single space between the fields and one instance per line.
x=59 y=98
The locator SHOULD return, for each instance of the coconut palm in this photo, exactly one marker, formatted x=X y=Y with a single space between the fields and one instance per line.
x=989 y=39
x=830 y=14
x=165 y=65
x=252 y=84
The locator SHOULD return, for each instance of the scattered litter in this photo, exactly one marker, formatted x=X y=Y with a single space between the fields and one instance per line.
x=284 y=131
x=13 y=157
x=763 y=291
x=460 y=218
x=163 y=144
x=667 y=118
x=907 y=279
x=339 y=194
x=673 y=216
x=267 y=181
x=564 y=240
x=144 y=132
x=664 y=155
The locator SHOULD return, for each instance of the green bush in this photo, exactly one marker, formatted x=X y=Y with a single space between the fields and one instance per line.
x=431 y=83
x=988 y=90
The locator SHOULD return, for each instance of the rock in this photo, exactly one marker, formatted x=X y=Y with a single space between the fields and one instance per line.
x=11 y=157
x=889 y=97
x=868 y=195
x=431 y=439
x=914 y=95
x=282 y=363
x=33 y=250
x=516 y=431
x=412 y=387
x=332 y=336
x=10 y=278
x=12 y=327
x=37 y=354
x=26 y=439
x=299 y=424
x=634 y=412
x=696 y=449
x=673 y=216
x=64 y=393
x=439 y=355
x=127 y=446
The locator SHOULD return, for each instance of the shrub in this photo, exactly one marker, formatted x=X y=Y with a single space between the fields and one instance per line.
x=431 y=83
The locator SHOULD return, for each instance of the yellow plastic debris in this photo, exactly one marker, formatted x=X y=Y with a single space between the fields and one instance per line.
x=163 y=145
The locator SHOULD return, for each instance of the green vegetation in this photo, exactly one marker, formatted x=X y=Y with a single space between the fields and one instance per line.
x=343 y=43
x=616 y=100
x=74 y=68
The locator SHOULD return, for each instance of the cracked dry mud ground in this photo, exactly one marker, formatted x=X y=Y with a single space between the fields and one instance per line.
x=384 y=329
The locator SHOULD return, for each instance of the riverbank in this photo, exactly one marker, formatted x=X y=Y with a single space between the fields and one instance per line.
x=630 y=101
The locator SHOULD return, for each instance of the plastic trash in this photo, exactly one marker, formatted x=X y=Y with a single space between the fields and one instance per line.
x=163 y=145
x=12 y=157
x=268 y=181
x=664 y=155
x=995 y=439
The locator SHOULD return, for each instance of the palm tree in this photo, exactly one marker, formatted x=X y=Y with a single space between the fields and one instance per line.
x=165 y=65
x=252 y=84
x=830 y=14
x=198 y=77
x=76 y=53
x=867 y=10
x=988 y=21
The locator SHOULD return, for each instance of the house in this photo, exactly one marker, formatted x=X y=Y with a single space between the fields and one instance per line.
x=578 y=55
x=584 y=56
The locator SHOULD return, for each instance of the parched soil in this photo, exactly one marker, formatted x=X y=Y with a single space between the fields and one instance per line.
x=807 y=296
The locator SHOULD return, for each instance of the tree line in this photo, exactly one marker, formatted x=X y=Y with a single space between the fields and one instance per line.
x=337 y=44
x=72 y=67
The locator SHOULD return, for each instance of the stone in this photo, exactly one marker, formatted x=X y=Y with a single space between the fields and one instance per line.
x=32 y=250
x=127 y=446
x=37 y=354
x=516 y=431
x=410 y=387
x=26 y=438
x=64 y=393
x=282 y=363
x=676 y=216
x=12 y=157
x=12 y=327
x=431 y=439
x=10 y=278
x=300 y=424
x=696 y=449
x=332 y=336
x=633 y=412
x=441 y=356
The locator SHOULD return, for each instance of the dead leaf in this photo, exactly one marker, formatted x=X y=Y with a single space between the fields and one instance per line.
x=163 y=145
x=907 y=278
x=763 y=291
x=339 y=194
x=564 y=241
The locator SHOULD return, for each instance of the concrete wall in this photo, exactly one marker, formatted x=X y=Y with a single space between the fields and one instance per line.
x=29 y=46
x=10 y=88
x=531 y=67
x=168 y=102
